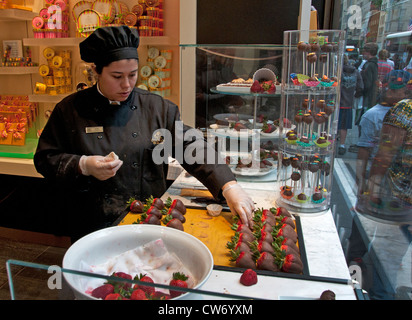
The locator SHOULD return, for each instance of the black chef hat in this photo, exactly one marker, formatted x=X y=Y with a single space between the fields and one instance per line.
x=108 y=44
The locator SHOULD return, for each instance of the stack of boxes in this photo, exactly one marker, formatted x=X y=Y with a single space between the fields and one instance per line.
x=53 y=20
x=149 y=18
x=17 y=116
x=155 y=74
x=57 y=73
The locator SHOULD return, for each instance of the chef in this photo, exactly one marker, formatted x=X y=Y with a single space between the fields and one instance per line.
x=97 y=147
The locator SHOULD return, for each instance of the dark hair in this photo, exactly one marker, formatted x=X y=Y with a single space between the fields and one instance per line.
x=371 y=47
x=100 y=66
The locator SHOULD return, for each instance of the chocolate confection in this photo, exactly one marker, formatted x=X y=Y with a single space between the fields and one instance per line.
x=323 y=57
x=295 y=176
x=327 y=47
x=288 y=192
x=313 y=167
x=314 y=47
x=327 y=295
x=303 y=46
x=312 y=57
x=296 y=163
x=302 y=197
x=321 y=104
x=329 y=110
x=304 y=139
x=307 y=118
x=317 y=196
x=321 y=140
x=292 y=137
x=319 y=118
x=286 y=161
x=299 y=118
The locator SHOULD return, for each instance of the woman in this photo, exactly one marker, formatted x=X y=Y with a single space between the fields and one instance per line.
x=75 y=148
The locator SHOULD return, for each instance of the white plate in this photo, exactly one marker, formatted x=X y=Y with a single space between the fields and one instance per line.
x=232 y=88
x=253 y=172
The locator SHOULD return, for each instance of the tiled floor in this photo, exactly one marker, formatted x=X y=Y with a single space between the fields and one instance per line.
x=30 y=283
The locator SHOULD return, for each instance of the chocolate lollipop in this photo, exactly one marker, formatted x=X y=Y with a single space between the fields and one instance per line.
x=314 y=47
x=286 y=163
x=308 y=119
x=296 y=163
x=314 y=168
x=295 y=176
x=319 y=119
x=304 y=47
x=329 y=109
x=321 y=104
x=312 y=58
x=298 y=120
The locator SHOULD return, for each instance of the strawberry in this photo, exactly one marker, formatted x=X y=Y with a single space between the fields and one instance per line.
x=262 y=118
x=144 y=278
x=268 y=87
x=286 y=220
x=113 y=296
x=243 y=259
x=286 y=241
x=176 y=204
x=268 y=128
x=138 y=294
x=158 y=295
x=239 y=126
x=178 y=280
x=285 y=248
x=266 y=261
x=171 y=222
x=281 y=211
x=135 y=206
x=241 y=228
x=177 y=214
x=256 y=88
x=155 y=211
x=248 y=277
x=263 y=236
x=289 y=262
x=102 y=291
x=243 y=236
x=122 y=275
x=285 y=231
x=262 y=246
x=157 y=202
x=237 y=245
x=148 y=219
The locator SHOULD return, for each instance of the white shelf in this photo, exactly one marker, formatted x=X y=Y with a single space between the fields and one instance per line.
x=18 y=70
x=16 y=14
x=46 y=98
x=18 y=167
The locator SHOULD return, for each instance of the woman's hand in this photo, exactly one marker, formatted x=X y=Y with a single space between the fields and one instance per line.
x=102 y=168
x=239 y=203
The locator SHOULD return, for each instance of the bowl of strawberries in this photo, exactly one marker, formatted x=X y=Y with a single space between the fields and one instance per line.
x=114 y=263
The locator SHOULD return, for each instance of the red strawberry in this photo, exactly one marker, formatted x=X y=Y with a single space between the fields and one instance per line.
x=123 y=275
x=102 y=291
x=244 y=237
x=266 y=261
x=281 y=211
x=256 y=88
x=237 y=245
x=239 y=126
x=268 y=128
x=157 y=202
x=264 y=236
x=158 y=295
x=178 y=280
x=144 y=278
x=138 y=294
x=113 y=296
x=262 y=118
x=248 y=277
x=135 y=206
x=286 y=241
x=243 y=259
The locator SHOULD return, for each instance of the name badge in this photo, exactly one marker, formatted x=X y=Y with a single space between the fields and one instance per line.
x=94 y=129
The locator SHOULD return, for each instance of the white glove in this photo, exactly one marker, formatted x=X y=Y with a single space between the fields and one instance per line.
x=240 y=203
x=102 y=168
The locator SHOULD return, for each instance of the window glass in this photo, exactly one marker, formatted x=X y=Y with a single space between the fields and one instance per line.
x=374 y=151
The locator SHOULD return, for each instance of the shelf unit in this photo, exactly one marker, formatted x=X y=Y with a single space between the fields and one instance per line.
x=17 y=25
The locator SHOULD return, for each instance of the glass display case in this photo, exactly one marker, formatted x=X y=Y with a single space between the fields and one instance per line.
x=311 y=72
x=237 y=103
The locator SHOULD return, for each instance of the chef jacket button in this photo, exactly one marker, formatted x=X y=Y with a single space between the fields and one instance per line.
x=133 y=107
x=99 y=137
x=135 y=164
x=134 y=134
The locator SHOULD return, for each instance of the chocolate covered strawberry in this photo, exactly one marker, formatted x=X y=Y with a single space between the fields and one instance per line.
x=288 y=242
x=238 y=246
x=155 y=211
x=289 y=262
x=268 y=127
x=177 y=214
x=239 y=126
x=262 y=246
x=241 y=228
x=281 y=211
x=178 y=205
x=178 y=280
x=243 y=236
x=135 y=206
x=243 y=259
x=148 y=219
x=174 y=223
x=286 y=220
x=285 y=231
x=157 y=202
x=263 y=236
x=285 y=248
x=266 y=261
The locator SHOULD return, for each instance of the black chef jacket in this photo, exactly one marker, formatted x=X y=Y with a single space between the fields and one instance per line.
x=85 y=123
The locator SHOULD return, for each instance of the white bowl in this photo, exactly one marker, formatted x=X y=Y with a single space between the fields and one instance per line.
x=214 y=209
x=98 y=247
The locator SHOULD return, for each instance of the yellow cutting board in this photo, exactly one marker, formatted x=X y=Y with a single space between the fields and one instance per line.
x=214 y=232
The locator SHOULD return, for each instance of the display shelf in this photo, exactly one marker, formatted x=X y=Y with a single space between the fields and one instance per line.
x=16 y=14
x=46 y=98
x=18 y=70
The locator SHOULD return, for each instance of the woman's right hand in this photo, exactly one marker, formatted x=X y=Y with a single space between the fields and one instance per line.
x=102 y=168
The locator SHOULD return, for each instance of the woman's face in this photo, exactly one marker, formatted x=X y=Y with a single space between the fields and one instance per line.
x=118 y=79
